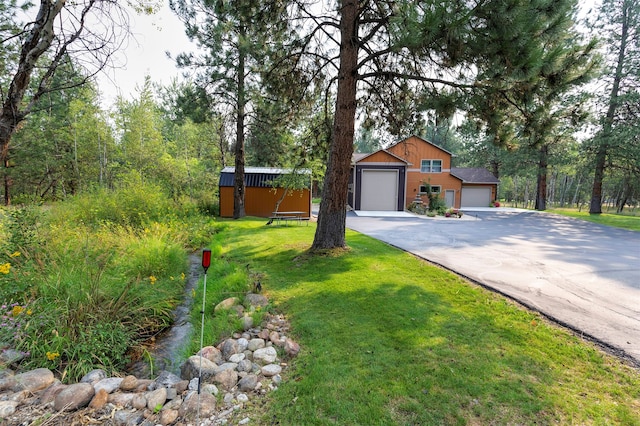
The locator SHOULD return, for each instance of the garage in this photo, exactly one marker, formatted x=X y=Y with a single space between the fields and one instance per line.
x=379 y=190
x=475 y=196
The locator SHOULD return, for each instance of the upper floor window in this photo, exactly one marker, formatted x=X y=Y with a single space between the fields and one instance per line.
x=431 y=166
x=435 y=189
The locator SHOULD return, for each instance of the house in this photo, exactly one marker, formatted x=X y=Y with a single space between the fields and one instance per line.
x=260 y=197
x=394 y=177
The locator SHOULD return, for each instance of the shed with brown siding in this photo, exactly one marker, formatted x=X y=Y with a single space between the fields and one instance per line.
x=260 y=196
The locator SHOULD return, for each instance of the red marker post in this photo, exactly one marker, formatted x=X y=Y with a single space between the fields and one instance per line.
x=206 y=262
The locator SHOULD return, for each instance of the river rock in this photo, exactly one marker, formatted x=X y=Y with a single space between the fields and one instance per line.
x=168 y=417
x=256 y=344
x=248 y=383
x=226 y=304
x=99 y=399
x=244 y=365
x=236 y=358
x=127 y=418
x=189 y=408
x=247 y=322
x=265 y=355
x=229 y=347
x=196 y=366
x=33 y=380
x=49 y=394
x=291 y=348
x=167 y=379
x=271 y=370
x=129 y=383
x=93 y=376
x=74 y=397
x=139 y=402
x=121 y=399
x=255 y=300
x=11 y=356
x=211 y=353
x=227 y=379
x=110 y=384
x=7 y=408
x=156 y=399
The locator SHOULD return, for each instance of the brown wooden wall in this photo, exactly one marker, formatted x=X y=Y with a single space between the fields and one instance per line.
x=261 y=202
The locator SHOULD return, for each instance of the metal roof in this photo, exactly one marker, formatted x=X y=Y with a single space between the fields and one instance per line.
x=260 y=177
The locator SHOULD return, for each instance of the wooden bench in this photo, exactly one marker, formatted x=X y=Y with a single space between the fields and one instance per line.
x=285 y=217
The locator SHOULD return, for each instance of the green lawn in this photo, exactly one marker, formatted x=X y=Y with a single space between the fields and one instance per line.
x=388 y=339
x=625 y=221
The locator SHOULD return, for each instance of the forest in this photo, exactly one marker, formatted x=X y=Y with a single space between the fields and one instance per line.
x=543 y=94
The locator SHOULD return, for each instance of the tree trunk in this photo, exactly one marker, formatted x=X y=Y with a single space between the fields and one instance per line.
x=238 y=184
x=331 y=229
x=541 y=193
x=595 y=206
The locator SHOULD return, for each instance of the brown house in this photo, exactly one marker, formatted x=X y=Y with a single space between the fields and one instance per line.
x=260 y=197
x=394 y=177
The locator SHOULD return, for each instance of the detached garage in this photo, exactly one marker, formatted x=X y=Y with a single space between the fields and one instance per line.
x=479 y=186
x=260 y=196
x=378 y=182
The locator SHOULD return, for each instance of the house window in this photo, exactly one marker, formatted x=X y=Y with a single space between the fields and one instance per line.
x=435 y=189
x=431 y=166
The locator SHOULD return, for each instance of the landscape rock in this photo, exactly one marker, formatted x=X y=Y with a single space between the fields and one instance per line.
x=229 y=347
x=248 y=383
x=190 y=408
x=110 y=384
x=271 y=370
x=33 y=380
x=74 y=396
x=291 y=348
x=7 y=408
x=256 y=300
x=93 y=376
x=256 y=344
x=226 y=304
x=227 y=379
x=129 y=383
x=99 y=399
x=168 y=417
x=265 y=355
x=197 y=366
x=156 y=398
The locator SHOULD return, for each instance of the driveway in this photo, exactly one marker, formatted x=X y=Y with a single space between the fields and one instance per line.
x=580 y=274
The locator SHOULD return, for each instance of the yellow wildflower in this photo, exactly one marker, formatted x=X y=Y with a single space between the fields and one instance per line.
x=152 y=280
x=182 y=276
x=17 y=310
x=15 y=254
x=52 y=355
x=5 y=268
x=29 y=312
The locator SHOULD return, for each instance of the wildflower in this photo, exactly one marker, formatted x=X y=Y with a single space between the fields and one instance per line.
x=52 y=355
x=152 y=280
x=182 y=276
x=14 y=254
x=5 y=268
x=29 y=312
x=17 y=310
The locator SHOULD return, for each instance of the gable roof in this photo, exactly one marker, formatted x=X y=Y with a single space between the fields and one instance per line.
x=474 y=175
x=356 y=157
x=422 y=140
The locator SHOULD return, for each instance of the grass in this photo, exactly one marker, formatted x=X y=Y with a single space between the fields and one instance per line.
x=624 y=221
x=388 y=339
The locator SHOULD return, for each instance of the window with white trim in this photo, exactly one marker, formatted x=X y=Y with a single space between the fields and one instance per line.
x=430 y=166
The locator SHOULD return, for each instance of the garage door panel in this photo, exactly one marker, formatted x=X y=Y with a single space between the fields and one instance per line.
x=475 y=196
x=379 y=190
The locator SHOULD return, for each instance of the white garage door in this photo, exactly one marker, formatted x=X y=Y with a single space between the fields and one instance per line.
x=473 y=196
x=379 y=190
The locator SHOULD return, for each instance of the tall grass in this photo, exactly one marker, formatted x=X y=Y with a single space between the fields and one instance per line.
x=92 y=278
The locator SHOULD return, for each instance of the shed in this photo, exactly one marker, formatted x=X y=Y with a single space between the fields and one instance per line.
x=261 y=197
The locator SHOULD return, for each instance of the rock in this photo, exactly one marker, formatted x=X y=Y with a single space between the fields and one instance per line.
x=99 y=399
x=229 y=347
x=33 y=380
x=236 y=358
x=211 y=353
x=127 y=418
x=244 y=421
x=197 y=366
x=109 y=384
x=210 y=388
x=11 y=356
x=226 y=366
x=129 y=383
x=248 y=383
x=167 y=379
x=271 y=370
x=242 y=398
x=121 y=399
x=291 y=348
x=74 y=397
x=189 y=408
x=49 y=394
x=7 y=408
x=244 y=365
x=243 y=343
x=265 y=355
x=227 y=379
x=264 y=334
x=143 y=385
x=226 y=304
x=139 y=402
x=93 y=376
x=247 y=322
x=156 y=399
x=168 y=417
x=256 y=344
x=255 y=300
x=275 y=338
x=182 y=386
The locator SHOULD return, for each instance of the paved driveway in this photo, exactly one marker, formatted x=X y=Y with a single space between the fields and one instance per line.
x=581 y=274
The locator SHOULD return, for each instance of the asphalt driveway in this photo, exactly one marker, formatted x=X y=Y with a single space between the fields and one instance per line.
x=582 y=275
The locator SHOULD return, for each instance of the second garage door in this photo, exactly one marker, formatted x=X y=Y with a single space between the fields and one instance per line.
x=379 y=190
x=473 y=196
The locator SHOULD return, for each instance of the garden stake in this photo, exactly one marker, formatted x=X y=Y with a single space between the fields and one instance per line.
x=206 y=262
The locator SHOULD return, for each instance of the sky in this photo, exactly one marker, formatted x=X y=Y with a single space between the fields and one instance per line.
x=152 y=36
